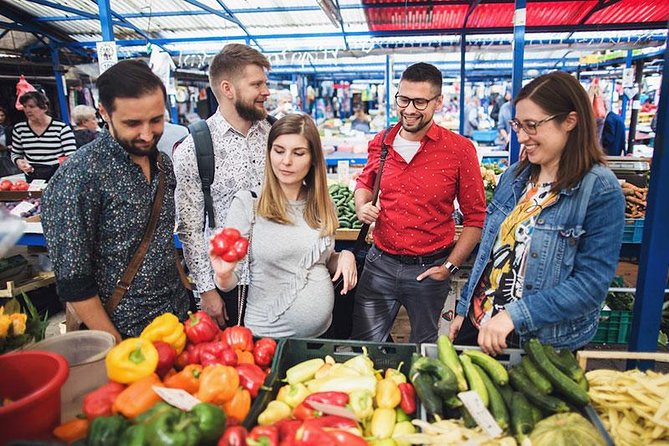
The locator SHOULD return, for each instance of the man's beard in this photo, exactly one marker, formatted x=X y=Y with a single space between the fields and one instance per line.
x=251 y=113
x=420 y=125
x=129 y=146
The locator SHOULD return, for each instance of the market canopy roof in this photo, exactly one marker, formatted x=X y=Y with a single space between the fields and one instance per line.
x=291 y=31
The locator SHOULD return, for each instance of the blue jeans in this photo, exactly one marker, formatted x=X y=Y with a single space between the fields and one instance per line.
x=385 y=285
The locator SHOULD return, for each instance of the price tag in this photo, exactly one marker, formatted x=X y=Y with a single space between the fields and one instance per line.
x=24 y=206
x=481 y=415
x=343 y=171
x=37 y=185
x=177 y=397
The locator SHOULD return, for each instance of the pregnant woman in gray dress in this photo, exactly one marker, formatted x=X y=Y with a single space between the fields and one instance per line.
x=293 y=262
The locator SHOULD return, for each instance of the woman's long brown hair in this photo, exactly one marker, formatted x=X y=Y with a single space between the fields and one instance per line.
x=319 y=212
x=559 y=93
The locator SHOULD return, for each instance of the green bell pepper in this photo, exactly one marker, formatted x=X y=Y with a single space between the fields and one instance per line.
x=134 y=436
x=106 y=431
x=210 y=420
x=172 y=428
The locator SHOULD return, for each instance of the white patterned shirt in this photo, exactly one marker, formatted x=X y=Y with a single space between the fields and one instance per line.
x=239 y=165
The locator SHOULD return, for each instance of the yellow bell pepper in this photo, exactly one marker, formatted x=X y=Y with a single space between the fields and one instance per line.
x=396 y=375
x=388 y=394
x=293 y=394
x=383 y=423
x=131 y=360
x=361 y=404
x=166 y=328
x=275 y=411
x=403 y=428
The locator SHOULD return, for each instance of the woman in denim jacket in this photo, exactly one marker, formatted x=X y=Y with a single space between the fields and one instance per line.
x=553 y=230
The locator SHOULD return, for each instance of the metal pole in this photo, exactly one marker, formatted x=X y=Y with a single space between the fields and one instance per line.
x=106 y=24
x=60 y=86
x=638 y=77
x=463 y=52
x=389 y=79
x=654 y=257
x=517 y=75
x=628 y=64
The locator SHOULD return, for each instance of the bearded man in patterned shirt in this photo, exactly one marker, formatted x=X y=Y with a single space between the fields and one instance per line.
x=239 y=131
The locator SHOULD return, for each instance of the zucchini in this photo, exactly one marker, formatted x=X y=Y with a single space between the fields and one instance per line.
x=344 y=224
x=470 y=422
x=572 y=370
x=583 y=384
x=562 y=383
x=539 y=380
x=423 y=383
x=570 y=360
x=449 y=356
x=522 y=422
x=494 y=368
x=507 y=394
x=445 y=383
x=547 y=403
x=536 y=414
x=497 y=405
x=474 y=380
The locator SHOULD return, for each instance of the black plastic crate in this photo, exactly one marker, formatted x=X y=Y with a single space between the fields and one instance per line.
x=296 y=350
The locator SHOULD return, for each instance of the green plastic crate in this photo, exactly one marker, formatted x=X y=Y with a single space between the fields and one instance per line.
x=614 y=327
x=296 y=350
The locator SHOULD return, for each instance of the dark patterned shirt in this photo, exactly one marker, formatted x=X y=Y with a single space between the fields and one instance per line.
x=95 y=209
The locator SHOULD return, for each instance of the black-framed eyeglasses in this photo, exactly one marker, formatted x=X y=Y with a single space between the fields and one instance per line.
x=418 y=103
x=530 y=127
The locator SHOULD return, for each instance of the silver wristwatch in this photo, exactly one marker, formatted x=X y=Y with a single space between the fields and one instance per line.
x=452 y=268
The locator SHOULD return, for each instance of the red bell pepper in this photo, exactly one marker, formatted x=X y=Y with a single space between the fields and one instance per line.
x=99 y=402
x=333 y=398
x=251 y=377
x=305 y=412
x=167 y=356
x=263 y=436
x=345 y=438
x=200 y=327
x=234 y=436
x=332 y=422
x=263 y=351
x=240 y=338
x=216 y=353
x=408 y=398
x=311 y=435
x=288 y=429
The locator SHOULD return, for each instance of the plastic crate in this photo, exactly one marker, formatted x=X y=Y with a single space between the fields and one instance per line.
x=614 y=327
x=633 y=232
x=485 y=136
x=296 y=350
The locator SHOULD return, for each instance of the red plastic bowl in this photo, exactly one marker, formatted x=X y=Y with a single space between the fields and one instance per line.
x=32 y=381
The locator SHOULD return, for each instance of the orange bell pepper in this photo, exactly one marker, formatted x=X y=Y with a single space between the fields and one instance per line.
x=239 y=406
x=72 y=430
x=244 y=357
x=188 y=379
x=218 y=384
x=138 y=397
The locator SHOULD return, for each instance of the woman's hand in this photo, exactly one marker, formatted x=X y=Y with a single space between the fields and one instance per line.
x=456 y=324
x=492 y=335
x=24 y=166
x=346 y=268
x=223 y=271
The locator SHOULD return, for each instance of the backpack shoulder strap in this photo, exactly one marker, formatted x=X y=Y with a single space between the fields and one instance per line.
x=204 y=155
x=271 y=119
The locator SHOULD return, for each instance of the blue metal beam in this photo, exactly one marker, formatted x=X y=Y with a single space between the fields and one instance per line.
x=654 y=259
x=518 y=61
x=60 y=86
x=106 y=24
x=388 y=77
x=628 y=64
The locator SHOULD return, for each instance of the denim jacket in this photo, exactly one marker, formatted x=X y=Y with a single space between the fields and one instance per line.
x=573 y=256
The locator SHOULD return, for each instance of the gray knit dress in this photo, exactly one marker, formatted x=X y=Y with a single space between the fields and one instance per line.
x=290 y=291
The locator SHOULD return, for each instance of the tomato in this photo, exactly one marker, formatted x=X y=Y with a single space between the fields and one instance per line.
x=230 y=256
x=231 y=233
x=5 y=185
x=221 y=244
x=241 y=247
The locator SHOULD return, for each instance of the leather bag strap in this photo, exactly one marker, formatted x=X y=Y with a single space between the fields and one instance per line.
x=129 y=274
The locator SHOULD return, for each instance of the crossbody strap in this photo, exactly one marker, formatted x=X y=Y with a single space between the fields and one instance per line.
x=129 y=274
x=360 y=241
x=243 y=288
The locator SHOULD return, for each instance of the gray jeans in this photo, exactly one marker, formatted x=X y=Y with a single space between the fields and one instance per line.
x=385 y=285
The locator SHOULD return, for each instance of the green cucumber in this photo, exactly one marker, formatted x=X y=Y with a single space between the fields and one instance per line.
x=539 y=380
x=522 y=422
x=497 y=405
x=447 y=354
x=562 y=383
x=570 y=360
x=494 y=368
x=536 y=414
x=583 y=384
x=474 y=380
x=507 y=394
x=572 y=370
x=423 y=383
x=470 y=422
x=445 y=383
x=344 y=224
x=522 y=384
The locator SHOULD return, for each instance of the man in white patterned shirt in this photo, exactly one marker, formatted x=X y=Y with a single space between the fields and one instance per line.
x=238 y=78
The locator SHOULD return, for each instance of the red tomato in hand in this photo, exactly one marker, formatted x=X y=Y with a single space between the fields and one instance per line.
x=221 y=244
x=5 y=185
x=230 y=256
x=231 y=233
x=241 y=247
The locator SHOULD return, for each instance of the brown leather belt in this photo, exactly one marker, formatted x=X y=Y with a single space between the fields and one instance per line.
x=419 y=260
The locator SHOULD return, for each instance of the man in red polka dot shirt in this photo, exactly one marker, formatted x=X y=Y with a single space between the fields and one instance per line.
x=414 y=253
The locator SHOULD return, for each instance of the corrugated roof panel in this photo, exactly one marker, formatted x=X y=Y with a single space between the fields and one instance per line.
x=633 y=11
x=557 y=13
